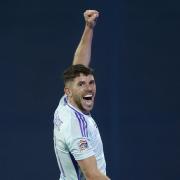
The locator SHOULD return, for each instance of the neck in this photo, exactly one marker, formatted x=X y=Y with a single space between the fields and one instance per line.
x=72 y=103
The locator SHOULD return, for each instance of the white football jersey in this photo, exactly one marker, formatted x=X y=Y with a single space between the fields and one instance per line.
x=76 y=137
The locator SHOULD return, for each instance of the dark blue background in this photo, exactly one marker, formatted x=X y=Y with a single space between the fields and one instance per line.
x=136 y=57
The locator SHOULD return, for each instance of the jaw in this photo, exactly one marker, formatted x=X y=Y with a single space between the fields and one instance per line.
x=87 y=105
x=83 y=105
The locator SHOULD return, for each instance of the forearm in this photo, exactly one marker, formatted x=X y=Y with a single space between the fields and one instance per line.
x=89 y=168
x=96 y=175
x=100 y=177
x=83 y=52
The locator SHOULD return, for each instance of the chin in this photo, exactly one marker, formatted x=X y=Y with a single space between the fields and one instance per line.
x=86 y=107
x=88 y=110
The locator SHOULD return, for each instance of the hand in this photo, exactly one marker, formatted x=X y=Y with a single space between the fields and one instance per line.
x=90 y=17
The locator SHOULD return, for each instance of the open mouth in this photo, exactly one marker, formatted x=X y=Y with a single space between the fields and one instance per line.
x=88 y=101
x=88 y=97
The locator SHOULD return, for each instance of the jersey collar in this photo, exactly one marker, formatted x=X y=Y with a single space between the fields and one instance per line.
x=77 y=110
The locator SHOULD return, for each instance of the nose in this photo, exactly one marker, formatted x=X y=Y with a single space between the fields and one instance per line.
x=89 y=87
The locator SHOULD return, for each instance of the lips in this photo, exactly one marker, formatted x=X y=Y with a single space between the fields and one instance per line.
x=88 y=100
x=88 y=97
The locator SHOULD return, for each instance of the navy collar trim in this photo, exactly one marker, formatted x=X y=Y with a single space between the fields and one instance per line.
x=76 y=110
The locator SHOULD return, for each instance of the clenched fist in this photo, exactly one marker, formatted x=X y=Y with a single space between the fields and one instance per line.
x=90 y=17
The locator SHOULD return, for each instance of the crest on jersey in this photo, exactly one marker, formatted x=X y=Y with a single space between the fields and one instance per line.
x=83 y=144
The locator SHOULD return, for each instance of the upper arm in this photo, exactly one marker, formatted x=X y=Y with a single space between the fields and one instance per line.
x=75 y=136
x=88 y=166
x=90 y=170
x=79 y=146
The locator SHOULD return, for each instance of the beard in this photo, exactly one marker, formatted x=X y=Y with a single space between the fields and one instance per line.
x=82 y=104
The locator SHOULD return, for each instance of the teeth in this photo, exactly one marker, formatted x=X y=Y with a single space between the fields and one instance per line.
x=90 y=95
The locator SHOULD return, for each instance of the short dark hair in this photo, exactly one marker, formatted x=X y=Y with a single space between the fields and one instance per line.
x=75 y=70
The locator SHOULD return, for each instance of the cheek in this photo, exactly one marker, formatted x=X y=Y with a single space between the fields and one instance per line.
x=94 y=88
x=77 y=92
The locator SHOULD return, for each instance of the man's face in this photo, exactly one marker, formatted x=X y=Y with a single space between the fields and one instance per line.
x=82 y=91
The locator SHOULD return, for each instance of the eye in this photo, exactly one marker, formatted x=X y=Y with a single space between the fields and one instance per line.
x=92 y=82
x=81 y=83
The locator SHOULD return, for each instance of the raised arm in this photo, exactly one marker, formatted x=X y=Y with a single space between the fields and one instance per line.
x=83 y=52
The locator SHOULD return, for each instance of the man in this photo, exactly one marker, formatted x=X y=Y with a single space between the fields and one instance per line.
x=77 y=142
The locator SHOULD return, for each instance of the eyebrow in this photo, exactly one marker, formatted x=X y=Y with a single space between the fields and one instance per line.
x=91 y=81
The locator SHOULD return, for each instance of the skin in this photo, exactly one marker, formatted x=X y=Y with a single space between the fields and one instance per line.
x=80 y=87
x=83 y=52
x=76 y=92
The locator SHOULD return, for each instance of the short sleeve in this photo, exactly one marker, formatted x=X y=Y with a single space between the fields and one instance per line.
x=77 y=139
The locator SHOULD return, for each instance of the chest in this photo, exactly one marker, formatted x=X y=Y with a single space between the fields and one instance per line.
x=93 y=131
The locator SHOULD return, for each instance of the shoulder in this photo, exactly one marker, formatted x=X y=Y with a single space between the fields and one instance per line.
x=61 y=110
x=63 y=100
x=66 y=116
x=63 y=113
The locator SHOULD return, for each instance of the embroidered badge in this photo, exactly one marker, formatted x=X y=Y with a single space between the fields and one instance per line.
x=83 y=144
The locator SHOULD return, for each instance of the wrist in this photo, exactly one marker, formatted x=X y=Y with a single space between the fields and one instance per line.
x=90 y=25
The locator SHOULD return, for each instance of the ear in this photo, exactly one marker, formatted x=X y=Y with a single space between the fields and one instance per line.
x=67 y=91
